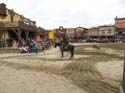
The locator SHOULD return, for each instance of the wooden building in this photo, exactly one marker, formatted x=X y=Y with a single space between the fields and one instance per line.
x=15 y=26
x=93 y=32
x=42 y=33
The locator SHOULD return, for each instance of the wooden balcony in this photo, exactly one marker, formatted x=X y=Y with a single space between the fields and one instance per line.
x=18 y=24
x=9 y=24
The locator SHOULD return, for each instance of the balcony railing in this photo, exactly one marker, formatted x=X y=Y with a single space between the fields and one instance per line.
x=25 y=26
x=9 y=24
x=18 y=24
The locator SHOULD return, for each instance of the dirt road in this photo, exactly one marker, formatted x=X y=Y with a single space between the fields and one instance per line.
x=91 y=71
x=20 y=73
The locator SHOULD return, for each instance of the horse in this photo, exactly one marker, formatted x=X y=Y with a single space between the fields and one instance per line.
x=63 y=48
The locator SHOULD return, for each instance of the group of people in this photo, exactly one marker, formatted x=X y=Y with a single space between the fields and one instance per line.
x=31 y=47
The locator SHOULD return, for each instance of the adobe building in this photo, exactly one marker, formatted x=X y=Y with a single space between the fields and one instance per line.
x=15 y=26
x=107 y=32
x=93 y=32
x=120 y=28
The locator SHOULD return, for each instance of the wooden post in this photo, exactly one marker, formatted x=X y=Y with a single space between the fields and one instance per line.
x=19 y=36
x=18 y=33
x=4 y=42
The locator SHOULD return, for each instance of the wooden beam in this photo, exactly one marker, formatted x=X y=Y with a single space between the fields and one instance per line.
x=27 y=35
x=18 y=33
x=15 y=31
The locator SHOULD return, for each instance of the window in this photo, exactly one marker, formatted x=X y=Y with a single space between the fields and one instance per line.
x=103 y=31
x=109 y=31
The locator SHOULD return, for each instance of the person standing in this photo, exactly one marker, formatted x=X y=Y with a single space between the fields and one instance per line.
x=35 y=47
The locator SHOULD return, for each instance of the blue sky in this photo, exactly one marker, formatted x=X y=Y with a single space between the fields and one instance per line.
x=51 y=14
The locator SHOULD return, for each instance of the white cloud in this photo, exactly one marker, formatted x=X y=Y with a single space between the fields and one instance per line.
x=69 y=13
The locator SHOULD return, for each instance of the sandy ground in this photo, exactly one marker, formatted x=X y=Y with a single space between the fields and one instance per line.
x=78 y=44
x=22 y=81
x=112 y=69
x=106 y=50
x=17 y=74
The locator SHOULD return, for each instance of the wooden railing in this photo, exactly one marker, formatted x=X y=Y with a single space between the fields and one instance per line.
x=19 y=24
x=25 y=26
x=9 y=24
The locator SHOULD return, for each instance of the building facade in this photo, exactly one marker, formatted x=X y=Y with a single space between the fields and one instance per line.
x=14 y=25
x=107 y=32
x=120 y=28
x=93 y=32
x=80 y=33
x=70 y=33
